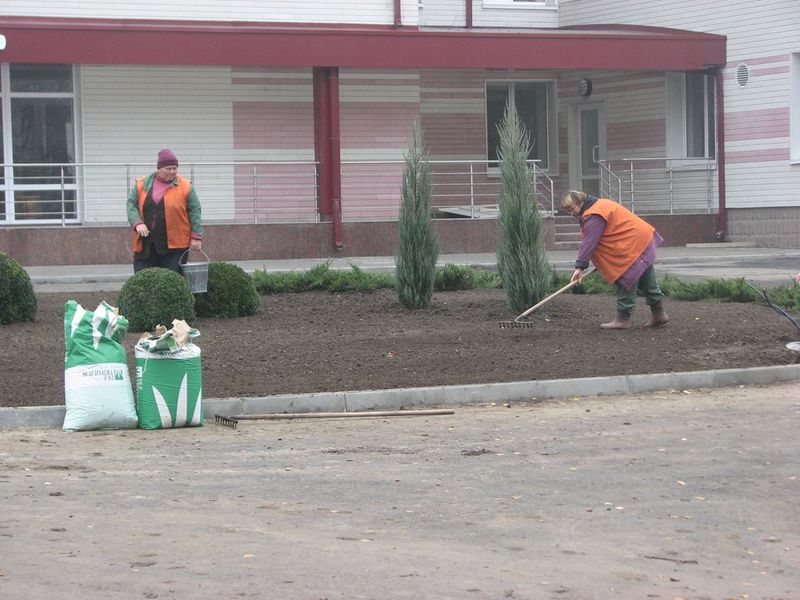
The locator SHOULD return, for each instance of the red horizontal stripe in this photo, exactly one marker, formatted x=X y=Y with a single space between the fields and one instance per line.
x=99 y=41
x=757 y=124
x=749 y=156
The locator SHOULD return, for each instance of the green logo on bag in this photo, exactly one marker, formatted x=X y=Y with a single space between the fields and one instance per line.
x=169 y=388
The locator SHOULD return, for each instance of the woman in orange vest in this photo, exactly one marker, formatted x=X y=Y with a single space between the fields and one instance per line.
x=164 y=212
x=623 y=248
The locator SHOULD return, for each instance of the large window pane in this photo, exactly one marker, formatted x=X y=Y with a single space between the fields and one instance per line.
x=496 y=98
x=46 y=204
x=531 y=104
x=589 y=142
x=695 y=115
x=42 y=131
x=529 y=99
x=41 y=78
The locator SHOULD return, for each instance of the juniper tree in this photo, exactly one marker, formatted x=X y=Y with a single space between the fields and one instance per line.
x=521 y=257
x=419 y=247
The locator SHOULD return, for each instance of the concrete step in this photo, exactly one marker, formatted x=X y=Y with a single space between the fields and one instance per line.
x=559 y=245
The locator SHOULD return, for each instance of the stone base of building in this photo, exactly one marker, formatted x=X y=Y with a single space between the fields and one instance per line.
x=765 y=227
x=40 y=246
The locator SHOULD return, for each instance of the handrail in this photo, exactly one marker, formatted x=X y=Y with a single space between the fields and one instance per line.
x=662 y=185
x=259 y=191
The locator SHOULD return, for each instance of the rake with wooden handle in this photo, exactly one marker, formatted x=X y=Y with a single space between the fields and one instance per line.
x=518 y=323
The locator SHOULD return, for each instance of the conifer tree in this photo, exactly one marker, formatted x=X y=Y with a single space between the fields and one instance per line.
x=521 y=257
x=419 y=247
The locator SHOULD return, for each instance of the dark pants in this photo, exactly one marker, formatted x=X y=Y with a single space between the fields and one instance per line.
x=170 y=260
x=647 y=285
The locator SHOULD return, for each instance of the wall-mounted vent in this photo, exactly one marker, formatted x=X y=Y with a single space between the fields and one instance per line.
x=742 y=75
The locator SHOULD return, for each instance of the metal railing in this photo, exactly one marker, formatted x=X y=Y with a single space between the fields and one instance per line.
x=253 y=192
x=459 y=189
x=651 y=186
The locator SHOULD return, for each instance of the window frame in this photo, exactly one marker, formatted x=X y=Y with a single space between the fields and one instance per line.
x=676 y=121
x=11 y=188
x=551 y=119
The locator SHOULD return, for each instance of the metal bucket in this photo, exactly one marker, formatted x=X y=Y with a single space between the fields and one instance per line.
x=196 y=274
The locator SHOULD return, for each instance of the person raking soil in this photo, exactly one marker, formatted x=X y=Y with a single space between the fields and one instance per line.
x=623 y=248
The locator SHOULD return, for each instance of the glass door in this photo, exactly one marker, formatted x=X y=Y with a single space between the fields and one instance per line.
x=591 y=147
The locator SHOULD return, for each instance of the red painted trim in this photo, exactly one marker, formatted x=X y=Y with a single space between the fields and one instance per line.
x=468 y=9
x=398 y=13
x=336 y=158
x=722 y=226
x=96 y=41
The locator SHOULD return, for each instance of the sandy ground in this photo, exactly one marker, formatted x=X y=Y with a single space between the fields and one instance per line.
x=690 y=494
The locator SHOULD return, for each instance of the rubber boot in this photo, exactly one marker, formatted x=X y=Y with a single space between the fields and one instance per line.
x=658 y=316
x=621 y=321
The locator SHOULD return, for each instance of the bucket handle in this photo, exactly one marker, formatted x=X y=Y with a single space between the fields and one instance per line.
x=180 y=260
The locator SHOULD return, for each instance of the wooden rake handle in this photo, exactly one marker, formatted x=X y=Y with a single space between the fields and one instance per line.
x=541 y=303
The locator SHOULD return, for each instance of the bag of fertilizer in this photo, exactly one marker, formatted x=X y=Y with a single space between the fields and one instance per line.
x=169 y=386
x=97 y=386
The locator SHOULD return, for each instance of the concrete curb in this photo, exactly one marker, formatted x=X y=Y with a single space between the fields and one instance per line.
x=560 y=260
x=520 y=391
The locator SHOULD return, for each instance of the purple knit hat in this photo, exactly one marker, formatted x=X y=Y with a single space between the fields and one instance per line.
x=166 y=158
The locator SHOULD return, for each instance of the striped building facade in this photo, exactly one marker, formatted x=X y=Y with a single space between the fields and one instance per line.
x=292 y=119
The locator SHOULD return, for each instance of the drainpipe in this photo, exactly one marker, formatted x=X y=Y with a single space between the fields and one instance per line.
x=722 y=226
x=398 y=14
x=468 y=9
x=335 y=157
x=322 y=136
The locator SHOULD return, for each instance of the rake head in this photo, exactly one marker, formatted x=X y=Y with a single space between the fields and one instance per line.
x=516 y=324
x=231 y=422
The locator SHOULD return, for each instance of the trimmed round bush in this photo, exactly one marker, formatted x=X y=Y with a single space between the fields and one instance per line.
x=156 y=296
x=231 y=293
x=17 y=300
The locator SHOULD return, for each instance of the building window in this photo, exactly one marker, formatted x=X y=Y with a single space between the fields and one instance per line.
x=691 y=116
x=37 y=133
x=533 y=101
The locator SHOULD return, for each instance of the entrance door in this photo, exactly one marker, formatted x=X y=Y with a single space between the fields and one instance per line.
x=590 y=148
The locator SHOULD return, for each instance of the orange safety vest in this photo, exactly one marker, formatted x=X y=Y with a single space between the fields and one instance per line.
x=176 y=214
x=625 y=237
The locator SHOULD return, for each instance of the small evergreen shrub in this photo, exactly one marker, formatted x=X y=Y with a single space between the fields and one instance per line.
x=17 y=300
x=321 y=277
x=231 y=293
x=358 y=280
x=787 y=296
x=456 y=277
x=521 y=256
x=156 y=296
x=591 y=284
x=415 y=263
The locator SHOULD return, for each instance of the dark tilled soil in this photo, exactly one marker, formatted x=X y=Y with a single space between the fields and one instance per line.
x=317 y=342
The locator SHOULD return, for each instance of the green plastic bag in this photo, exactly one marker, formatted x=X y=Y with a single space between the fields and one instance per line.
x=97 y=386
x=169 y=387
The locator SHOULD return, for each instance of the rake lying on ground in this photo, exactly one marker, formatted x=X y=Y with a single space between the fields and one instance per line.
x=518 y=323
x=232 y=422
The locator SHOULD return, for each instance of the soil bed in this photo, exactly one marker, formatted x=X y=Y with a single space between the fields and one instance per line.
x=317 y=342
